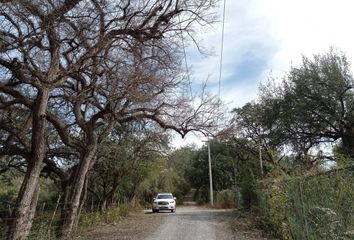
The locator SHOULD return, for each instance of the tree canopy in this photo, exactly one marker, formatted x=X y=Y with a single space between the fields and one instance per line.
x=314 y=104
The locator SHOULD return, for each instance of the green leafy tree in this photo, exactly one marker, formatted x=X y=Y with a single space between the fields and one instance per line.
x=222 y=167
x=314 y=104
x=120 y=160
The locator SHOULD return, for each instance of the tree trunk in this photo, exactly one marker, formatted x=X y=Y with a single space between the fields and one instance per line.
x=65 y=188
x=32 y=209
x=348 y=143
x=76 y=190
x=28 y=195
x=82 y=202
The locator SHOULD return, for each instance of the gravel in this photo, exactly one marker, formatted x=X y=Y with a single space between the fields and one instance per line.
x=190 y=222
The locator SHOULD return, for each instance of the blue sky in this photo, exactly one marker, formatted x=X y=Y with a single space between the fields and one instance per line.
x=264 y=38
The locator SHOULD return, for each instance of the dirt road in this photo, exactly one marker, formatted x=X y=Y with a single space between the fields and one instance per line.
x=187 y=223
x=194 y=223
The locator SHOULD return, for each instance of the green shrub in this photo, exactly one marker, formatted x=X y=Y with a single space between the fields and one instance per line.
x=248 y=185
x=225 y=199
x=273 y=204
x=322 y=207
x=308 y=207
x=124 y=210
x=110 y=215
x=203 y=195
x=40 y=231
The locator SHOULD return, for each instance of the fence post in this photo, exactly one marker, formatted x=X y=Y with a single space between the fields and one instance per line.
x=10 y=210
x=303 y=210
x=43 y=207
x=55 y=211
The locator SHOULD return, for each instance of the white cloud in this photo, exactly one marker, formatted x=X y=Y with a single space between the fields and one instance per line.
x=308 y=27
x=243 y=31
x=290 y=28
x=192 y=139
x=277 y=31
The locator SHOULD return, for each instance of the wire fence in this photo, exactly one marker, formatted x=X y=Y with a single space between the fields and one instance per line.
x=320 y=206
x=48 y=220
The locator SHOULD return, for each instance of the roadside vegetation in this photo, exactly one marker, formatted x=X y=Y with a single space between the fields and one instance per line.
x=302 y=127
x=91 y=91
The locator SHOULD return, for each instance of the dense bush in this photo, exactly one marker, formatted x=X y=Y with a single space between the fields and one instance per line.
x=272 y=207
x=203 y=195
x=248 y=185
x=318 y=206
x=225 y=199
x=322 y=207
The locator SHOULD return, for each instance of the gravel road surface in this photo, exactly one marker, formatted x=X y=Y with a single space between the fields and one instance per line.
x=188 y=223
x=194 y=223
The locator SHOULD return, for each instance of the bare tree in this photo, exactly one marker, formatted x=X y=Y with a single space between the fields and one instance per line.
x=138 y=91
x=84 y=64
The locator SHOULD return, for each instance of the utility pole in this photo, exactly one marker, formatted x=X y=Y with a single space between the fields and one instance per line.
x=260 y=158
x=210 y=177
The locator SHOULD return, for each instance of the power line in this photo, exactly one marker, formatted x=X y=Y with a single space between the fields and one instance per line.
x=186 y=66
x=222 y=46
x=185 y=59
